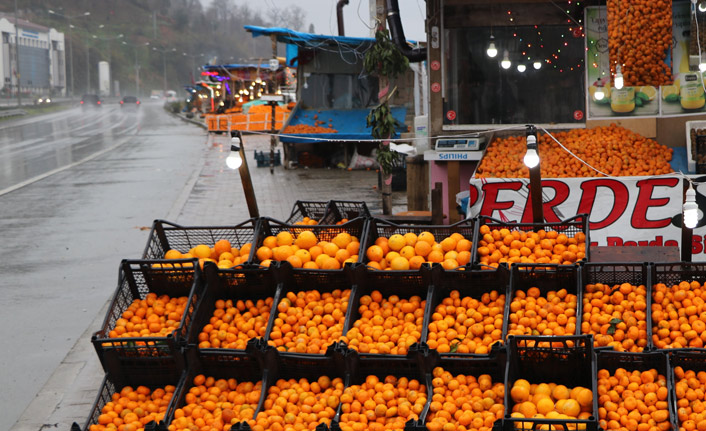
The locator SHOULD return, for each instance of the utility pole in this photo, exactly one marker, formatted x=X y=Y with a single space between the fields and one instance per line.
x=17 y=57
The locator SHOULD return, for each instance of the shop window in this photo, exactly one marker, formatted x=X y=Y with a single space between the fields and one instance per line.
x=339 y=91
x=5 y=37
x=480 y=91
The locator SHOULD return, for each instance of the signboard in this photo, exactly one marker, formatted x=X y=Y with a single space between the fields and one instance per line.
x=626 y=211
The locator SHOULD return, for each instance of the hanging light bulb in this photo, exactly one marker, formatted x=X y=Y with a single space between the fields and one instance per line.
x=240 y=99
x=702 y=6
x=506 y=63
x=492 y=50
x=537 y=65
x=234 y=160
x=531 y=158
x=258 y=80
x=599 y=94
x=618 y=81
x=690 y=208
x=521 y=68
x=702 y=65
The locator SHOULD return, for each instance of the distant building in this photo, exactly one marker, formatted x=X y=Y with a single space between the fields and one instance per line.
x=42 y=58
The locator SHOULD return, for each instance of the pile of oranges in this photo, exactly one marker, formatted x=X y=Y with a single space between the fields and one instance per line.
x=410 y=251
x=464 y=403
x=307 y=128
x=689 y=387
x=309 y=321
x=307 y=222
x=299 y=404
x=550 y=401
x=222 y=254
x=614 y=150
x=679 y=315
x=616 y=316
x=634 y=400
x=216 y=404
x=533 y=314
x=467 y=325
x=232 y=325
x=386 y=325
x=131 y=409
x=496 y=246
x=306 y=251
x=381 y=405
x=154 y=316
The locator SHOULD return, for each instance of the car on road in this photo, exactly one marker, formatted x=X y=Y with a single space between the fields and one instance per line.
x=90 y=100
x=42 y=100
x=130 y=102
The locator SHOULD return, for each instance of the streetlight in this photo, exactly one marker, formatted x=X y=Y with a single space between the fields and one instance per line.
x=236 y=160
x=110 y=55
x=193 y=68
x=71 y=51
x=531 y=160
x=164 y=62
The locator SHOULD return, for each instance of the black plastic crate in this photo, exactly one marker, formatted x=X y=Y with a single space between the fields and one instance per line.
x=315 y=210
x=238 y=365
x=469 y=284
x=271 y=227
x=612 y=275
x=409 y=367
x=546 y=278
x=630 y=361
x=493 y=366
x=382 y=228
x=388 y=283
x=321 y=281
x=345 y=210
x=138 y=278
x=671 y=274
x=688 y=360
x=114 y=383
x=165 y=235
x=569 y=227
x=567 y=361
x=234 y=284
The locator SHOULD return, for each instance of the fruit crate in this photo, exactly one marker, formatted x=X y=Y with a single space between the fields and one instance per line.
x=137 y=279
x=694 y=360
x=271 y=227
x=328 y=213
x=387 y=283
x=546 y=278
x=472 y=284
x=408 y=366
x=611 y=274
x=234 y=284
x=695 y=133
x=382 y=228
x=165 y=235
x=672 y=274
x=565 y=361
x=494 y=366
x=320 y=281
x=315 y=210
x=160 y=377
x=644 y=361
x=241 y=366
x=569 y=227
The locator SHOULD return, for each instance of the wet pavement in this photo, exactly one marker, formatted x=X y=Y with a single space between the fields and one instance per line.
x=65 y=234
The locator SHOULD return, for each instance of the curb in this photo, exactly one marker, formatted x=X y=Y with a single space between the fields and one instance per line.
x=187 y=120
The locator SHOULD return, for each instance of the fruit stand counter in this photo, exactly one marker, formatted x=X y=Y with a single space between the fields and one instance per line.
x=306 y=126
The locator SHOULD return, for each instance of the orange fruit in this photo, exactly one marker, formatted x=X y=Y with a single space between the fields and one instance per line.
x=284 y=238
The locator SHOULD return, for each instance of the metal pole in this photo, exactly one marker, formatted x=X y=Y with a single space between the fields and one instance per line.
x=164 y=61
x=17 y=57
x=137 y=76
x=88 y=69
x=71 y=60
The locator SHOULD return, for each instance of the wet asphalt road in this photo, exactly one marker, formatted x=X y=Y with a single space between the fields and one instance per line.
x=77 y=189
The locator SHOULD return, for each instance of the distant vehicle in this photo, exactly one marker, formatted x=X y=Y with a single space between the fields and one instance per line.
x=155 y=97
x=130 y=102
x=90 y=100
x=43 y=100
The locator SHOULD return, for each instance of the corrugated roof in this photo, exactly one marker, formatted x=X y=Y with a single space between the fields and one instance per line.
x=23 y=23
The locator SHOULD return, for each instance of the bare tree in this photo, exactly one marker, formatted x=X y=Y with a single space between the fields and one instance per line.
x=292 y=17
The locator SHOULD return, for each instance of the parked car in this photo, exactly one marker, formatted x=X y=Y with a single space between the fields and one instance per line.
x=90 y=100
x=130 y=102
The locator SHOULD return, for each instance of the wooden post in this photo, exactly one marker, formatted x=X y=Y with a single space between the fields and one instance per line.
x=535 y=187
x=437 y=204
x=248 y=188
x=454 y=178
x=687 y=235
x=417 y=184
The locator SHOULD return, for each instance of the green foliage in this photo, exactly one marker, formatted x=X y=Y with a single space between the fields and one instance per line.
x=383 y=123
x=384 y=58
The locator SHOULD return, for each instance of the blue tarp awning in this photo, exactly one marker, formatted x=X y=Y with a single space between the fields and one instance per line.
x=286 y=35
x=236 y=66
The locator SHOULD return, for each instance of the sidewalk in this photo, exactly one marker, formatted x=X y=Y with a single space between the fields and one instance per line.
x=212 y=196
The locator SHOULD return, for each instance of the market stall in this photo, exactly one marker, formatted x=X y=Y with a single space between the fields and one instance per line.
x=334 y=95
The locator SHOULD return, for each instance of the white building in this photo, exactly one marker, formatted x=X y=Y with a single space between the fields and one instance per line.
x=42 y=61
